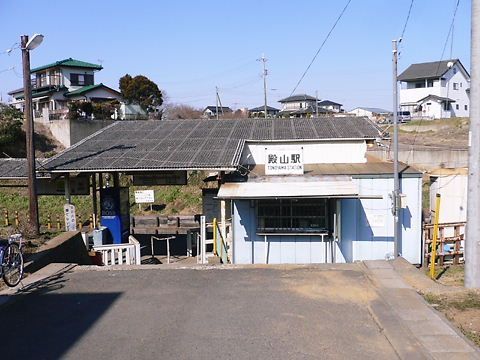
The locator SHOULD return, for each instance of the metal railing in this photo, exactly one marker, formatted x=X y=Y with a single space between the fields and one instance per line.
x=120 y=254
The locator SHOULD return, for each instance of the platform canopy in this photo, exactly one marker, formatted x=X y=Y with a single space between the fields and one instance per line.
x=128 y=146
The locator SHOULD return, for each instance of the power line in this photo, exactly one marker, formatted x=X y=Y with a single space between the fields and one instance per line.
x=321 y=46
x=406 y=20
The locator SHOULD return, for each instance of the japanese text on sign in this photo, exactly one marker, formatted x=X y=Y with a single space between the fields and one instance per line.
x=283 y=162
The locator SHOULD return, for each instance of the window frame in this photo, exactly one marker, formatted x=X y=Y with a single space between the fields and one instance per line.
x=290 y=216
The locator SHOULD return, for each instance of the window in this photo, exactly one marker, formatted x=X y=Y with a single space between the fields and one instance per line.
x=301 y=105
x=454 y=71
x=419 y=85
x=466 y=107
x=429 y=83
x=457 y=107
x=81 y=79
x=292 y=215
x=455 y=86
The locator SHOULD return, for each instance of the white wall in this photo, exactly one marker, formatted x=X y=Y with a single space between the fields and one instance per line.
x=362 y=112
x=66 y=76
x=328 y=152
x=367 y=224
x=453 y=201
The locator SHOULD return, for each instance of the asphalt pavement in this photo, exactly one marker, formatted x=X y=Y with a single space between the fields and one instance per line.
x=282 y=312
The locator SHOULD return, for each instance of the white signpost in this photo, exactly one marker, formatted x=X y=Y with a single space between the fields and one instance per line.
x=283 y=162
x=145 y=197
x=70 y=217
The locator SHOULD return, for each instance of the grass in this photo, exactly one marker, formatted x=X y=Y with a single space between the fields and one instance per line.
x=169 y=200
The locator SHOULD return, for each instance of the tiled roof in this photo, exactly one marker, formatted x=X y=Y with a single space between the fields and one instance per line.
x=262 y=108
x=300 y=97
x=427 y=70
x=69 y=63
x=195 y=144
x=327 y=103
x=88 y=88
x=16 y=168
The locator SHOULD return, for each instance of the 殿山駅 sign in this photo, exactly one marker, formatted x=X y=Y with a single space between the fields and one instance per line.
x=283 y=162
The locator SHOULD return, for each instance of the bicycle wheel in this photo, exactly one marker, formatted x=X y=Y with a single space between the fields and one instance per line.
x=12 y=265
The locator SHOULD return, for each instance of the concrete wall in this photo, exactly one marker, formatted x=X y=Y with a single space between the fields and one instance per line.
x=428 y=159
x=69 y=132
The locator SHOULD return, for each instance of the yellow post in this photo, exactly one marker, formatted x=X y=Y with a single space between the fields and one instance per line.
x=215 y=236
x=49 y=222
x=90 y=222
x=435 y=236
x=17 y=221
x=7 y=221
x=59 y=226
x=80 y=223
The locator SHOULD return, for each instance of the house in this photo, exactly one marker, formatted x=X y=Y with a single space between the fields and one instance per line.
x=330 y=105
x=372 y=113
x=211 y=111
x=56 y=84
x=304 y=106
x=434 y=90
x=289 y=190
x=260 y=112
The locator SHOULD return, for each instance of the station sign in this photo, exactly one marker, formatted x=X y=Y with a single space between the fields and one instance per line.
x=144 y=196
x=284 y=162
x=160 y=178
x=79 y=185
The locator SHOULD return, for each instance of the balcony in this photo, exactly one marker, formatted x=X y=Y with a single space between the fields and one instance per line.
x=46 y=81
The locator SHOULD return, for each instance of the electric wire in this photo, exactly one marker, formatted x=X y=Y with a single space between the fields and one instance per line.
x=321 y=46
x=406 y=20
x=450 y=32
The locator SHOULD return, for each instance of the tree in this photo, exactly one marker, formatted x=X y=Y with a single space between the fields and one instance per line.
x=10 y=128
x=181 y=111
x=142 y=91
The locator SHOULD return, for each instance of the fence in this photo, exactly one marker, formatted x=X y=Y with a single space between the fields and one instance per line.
x=120 y=254
x=450 y=243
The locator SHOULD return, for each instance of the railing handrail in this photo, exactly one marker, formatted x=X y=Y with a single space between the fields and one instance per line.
x=449 y=224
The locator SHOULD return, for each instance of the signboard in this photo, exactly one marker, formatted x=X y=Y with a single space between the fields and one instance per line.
x=144 y=196
x=70 y=218
x=160 y=178
x=284 y=162
x=79 y=185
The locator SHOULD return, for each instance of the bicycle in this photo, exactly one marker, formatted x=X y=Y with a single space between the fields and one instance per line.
x=11 y=260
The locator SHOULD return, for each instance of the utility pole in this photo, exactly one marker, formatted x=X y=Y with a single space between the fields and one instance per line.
x=316 y=103
x=219 y=102
x=472 y=231
x=216 y=100
x=29 y=129
x=396 y=180
x=265 y=73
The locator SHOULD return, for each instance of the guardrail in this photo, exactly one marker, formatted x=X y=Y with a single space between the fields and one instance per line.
x=120 y=254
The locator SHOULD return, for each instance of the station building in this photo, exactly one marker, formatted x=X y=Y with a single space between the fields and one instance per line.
x=292 y=190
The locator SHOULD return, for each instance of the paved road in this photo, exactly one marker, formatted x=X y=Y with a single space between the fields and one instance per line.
x=248 y=313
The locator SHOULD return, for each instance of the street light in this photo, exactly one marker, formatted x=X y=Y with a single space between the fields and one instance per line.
x=26 y=46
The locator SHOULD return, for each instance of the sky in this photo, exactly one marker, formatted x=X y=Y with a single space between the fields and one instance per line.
x=190 y=47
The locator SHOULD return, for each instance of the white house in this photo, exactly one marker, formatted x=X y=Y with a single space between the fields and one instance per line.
x=434 y=90
x=371 y=113
x=55 y=84
x=211 y=111
x=330 y=105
